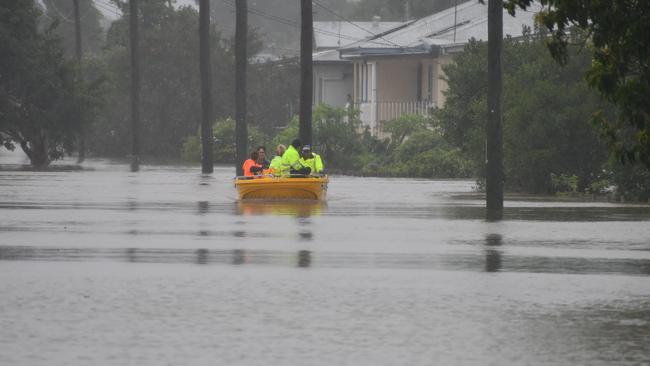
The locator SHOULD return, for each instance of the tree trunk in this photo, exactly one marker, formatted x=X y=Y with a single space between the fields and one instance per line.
x=135 y=83
x=207 y=154
x=494 y=176
x=306 y=78
x=37 y=150
x=241 y=61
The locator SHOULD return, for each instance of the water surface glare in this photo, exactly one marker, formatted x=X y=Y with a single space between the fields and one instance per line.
x=165 y=266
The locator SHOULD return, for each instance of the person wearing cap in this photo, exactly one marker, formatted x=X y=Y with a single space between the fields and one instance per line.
x=311 y=160
x=291 y=160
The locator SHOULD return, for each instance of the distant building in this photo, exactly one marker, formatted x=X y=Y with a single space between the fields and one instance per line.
x=399 y=72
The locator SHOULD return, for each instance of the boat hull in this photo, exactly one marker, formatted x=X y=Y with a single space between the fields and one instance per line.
x=281 y=188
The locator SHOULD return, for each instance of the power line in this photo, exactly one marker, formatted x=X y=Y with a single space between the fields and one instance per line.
x=351 y=22
x=108 y=7
x=51 y=3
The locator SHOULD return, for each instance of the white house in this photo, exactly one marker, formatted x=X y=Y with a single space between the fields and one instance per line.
x=399 y=72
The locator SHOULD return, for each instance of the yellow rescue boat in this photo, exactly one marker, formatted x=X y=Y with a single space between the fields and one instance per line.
x=268 y=187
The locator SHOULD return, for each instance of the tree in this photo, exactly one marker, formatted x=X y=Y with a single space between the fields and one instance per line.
x=536 y=143
x=170 y=85
x=225 y=149
x=617 y=32
x=37 y=86
x=171 y=101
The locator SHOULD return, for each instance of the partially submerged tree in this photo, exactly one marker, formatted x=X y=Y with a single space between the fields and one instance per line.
x=37 y=86
x=617 y=33
x=536 y=143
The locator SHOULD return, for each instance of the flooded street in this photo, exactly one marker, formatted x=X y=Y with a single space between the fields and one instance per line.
x=165 y=266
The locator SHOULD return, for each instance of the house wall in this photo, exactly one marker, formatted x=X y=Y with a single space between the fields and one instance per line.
x=332 y=83
x=396 y=80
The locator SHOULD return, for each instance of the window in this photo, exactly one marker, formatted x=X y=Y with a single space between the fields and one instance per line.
x=364 y=82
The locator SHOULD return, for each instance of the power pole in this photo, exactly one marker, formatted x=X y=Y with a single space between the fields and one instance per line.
x=306 y=78
x=494 y=176
x=207 y=156
x=241 y=60
x=77 y=31
x=135 y=83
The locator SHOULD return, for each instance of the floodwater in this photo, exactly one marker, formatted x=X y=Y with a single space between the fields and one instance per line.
x=166 y=267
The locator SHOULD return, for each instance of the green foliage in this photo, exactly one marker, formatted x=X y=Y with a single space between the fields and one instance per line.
x=536 y=142
x=564 y=183
x=336 y=137
x=170 y=101
x=403 y=126
x=417 y=149
x=40 y=92
x=619 y=44
x=632 y=181
x=224 y=144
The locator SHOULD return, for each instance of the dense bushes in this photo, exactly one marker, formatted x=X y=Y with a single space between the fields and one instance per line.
x=224 y=142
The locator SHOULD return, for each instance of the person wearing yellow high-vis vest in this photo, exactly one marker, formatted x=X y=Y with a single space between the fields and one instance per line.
x=291 y=160
x=311 y=160
x=276 y=164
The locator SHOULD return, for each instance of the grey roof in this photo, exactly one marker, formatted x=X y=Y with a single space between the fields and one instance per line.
x=436 y=31
x=337 y=34
x=328 y=56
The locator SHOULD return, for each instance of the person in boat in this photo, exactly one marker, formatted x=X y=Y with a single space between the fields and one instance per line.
x=311 y=160
x=251 y=167
x=261 y=160
x=276 y=163
x=291 y=160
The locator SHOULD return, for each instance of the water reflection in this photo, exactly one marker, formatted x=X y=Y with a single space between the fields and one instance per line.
x=493 y=256
x=130 y=255
x=203 y=207
x=490 y=260
x=238 y=256
x=201 y=256
x=304 y=258
x=296 y=208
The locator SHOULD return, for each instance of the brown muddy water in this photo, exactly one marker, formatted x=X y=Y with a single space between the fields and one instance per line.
x=166 y=267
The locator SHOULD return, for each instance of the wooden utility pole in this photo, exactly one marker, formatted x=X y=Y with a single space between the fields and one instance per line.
x=207 y=156
x=241 y=60
x=306 y=78
x=135 y=84
x=77 y=31
x=494 y=176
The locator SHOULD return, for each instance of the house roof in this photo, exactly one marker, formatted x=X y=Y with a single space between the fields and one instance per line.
x=436 y=31
x=327 y=56
x=337 y=34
